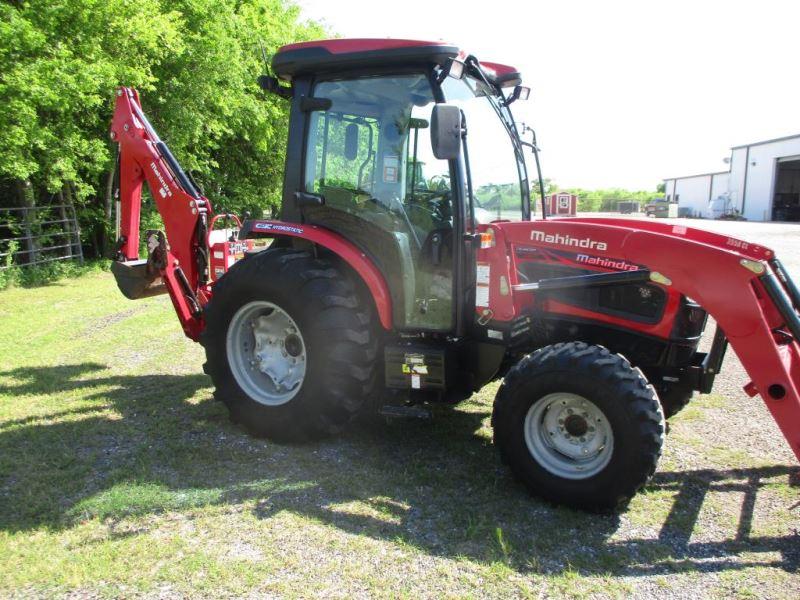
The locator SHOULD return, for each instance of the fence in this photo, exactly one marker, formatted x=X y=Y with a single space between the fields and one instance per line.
x=39 y=234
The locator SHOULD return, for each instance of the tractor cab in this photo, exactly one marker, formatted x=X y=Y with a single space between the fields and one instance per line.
x=363 y=160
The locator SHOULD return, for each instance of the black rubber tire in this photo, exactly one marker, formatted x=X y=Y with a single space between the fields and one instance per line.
x=336 y=324
x=619 y=390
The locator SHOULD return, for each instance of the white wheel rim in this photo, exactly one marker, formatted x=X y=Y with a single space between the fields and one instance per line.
x=266 y=353
x=569 y=436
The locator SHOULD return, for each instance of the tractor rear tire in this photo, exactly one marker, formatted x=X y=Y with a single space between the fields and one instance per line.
x=579 y=426
x=290 y=346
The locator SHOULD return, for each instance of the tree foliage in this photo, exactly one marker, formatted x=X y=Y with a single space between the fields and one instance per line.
x=195 y=63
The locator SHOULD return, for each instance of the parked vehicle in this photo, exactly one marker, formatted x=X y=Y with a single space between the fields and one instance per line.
x=661 y=209
x=382 y=290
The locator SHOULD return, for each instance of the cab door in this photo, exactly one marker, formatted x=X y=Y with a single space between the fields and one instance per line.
x=368 y=155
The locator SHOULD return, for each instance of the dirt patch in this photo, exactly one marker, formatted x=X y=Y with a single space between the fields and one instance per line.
x=102 y=323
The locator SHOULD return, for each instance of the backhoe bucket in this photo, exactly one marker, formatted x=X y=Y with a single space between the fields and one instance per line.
x=135 y=279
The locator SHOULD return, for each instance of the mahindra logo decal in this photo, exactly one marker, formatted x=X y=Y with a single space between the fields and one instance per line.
x=567 y=240
x=164 y=190
x=606 y=263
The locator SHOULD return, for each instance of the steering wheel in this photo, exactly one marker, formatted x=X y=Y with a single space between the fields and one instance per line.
x=435 y=206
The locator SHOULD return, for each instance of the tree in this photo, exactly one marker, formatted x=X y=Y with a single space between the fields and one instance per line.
x=195 y=62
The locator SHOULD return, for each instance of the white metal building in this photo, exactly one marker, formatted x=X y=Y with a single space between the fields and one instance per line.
x=695 y=193
x=763 y=184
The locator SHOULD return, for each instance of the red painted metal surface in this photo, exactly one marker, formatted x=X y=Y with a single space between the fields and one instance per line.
x=347 y=251
x=222 y=252
x=499 y=69
x=353 y=45
x=343 y=46
x=140 y=162
x=753 y=251
x=704 y=266
x=505 y=72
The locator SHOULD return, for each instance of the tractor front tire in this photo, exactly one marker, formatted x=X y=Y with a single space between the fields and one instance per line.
x=290 y=346
x=579 y=426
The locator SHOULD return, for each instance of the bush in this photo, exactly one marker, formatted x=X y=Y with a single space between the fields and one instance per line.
x=44 y=274
x=8 y=272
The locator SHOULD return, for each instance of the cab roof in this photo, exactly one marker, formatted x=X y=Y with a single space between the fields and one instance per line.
x=324 y=56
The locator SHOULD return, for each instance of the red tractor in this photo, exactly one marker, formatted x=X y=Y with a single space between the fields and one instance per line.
x=406 y=269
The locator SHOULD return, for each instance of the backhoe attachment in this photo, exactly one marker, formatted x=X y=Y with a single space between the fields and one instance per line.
x=178 y=258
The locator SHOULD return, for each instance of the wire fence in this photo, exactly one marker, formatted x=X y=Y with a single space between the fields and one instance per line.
x=35 y=235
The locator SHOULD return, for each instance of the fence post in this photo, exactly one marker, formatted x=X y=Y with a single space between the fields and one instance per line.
x=62 y=213
x=28 y=205
x=76 y=240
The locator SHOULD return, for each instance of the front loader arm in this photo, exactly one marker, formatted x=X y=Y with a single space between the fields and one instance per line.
x=741 y=285
x=182 y=261
x=749 y=303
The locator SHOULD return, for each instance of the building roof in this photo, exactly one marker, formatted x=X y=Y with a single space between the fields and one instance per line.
x=698 y=175
x=780 y=139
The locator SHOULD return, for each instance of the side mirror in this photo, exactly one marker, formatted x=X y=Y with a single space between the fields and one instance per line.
x=446 y=129
x=351 y=141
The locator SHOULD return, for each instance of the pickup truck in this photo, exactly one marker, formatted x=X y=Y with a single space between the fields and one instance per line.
x=661 y=208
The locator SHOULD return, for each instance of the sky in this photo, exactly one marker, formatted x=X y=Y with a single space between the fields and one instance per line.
x=623 y=94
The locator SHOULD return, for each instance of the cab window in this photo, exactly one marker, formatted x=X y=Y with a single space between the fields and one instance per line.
x=369 y=155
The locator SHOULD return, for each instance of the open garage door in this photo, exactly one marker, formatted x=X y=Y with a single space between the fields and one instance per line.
x=786 y=203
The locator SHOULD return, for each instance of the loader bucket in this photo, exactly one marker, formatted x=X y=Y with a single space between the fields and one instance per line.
x=135 y=279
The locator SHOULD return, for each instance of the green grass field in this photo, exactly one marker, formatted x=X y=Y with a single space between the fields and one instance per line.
x=120 y=476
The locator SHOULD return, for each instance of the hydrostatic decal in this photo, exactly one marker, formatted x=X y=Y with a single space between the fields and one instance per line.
x=277 y=227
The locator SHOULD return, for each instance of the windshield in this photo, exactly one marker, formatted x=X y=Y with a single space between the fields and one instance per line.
x=496 y=160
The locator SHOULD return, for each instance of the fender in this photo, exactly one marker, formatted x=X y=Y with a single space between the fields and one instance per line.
x=347 y=251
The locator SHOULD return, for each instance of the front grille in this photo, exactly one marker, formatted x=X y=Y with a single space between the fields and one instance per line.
x=641 y=300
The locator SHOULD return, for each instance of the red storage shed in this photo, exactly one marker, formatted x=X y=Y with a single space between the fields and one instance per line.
x=564 y=205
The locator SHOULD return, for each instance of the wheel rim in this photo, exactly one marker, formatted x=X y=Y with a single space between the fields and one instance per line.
x=266 y=353
x=569 y=436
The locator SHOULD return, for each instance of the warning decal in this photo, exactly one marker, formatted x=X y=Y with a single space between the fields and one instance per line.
x=390 y=168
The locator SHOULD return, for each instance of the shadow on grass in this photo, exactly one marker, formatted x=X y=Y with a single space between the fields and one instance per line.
x=135 y=445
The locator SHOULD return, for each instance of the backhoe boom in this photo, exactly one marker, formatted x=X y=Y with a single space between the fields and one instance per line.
x=181 y=258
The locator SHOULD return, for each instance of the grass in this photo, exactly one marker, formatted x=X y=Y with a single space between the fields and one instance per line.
x=119 y=476
x=45 y=273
